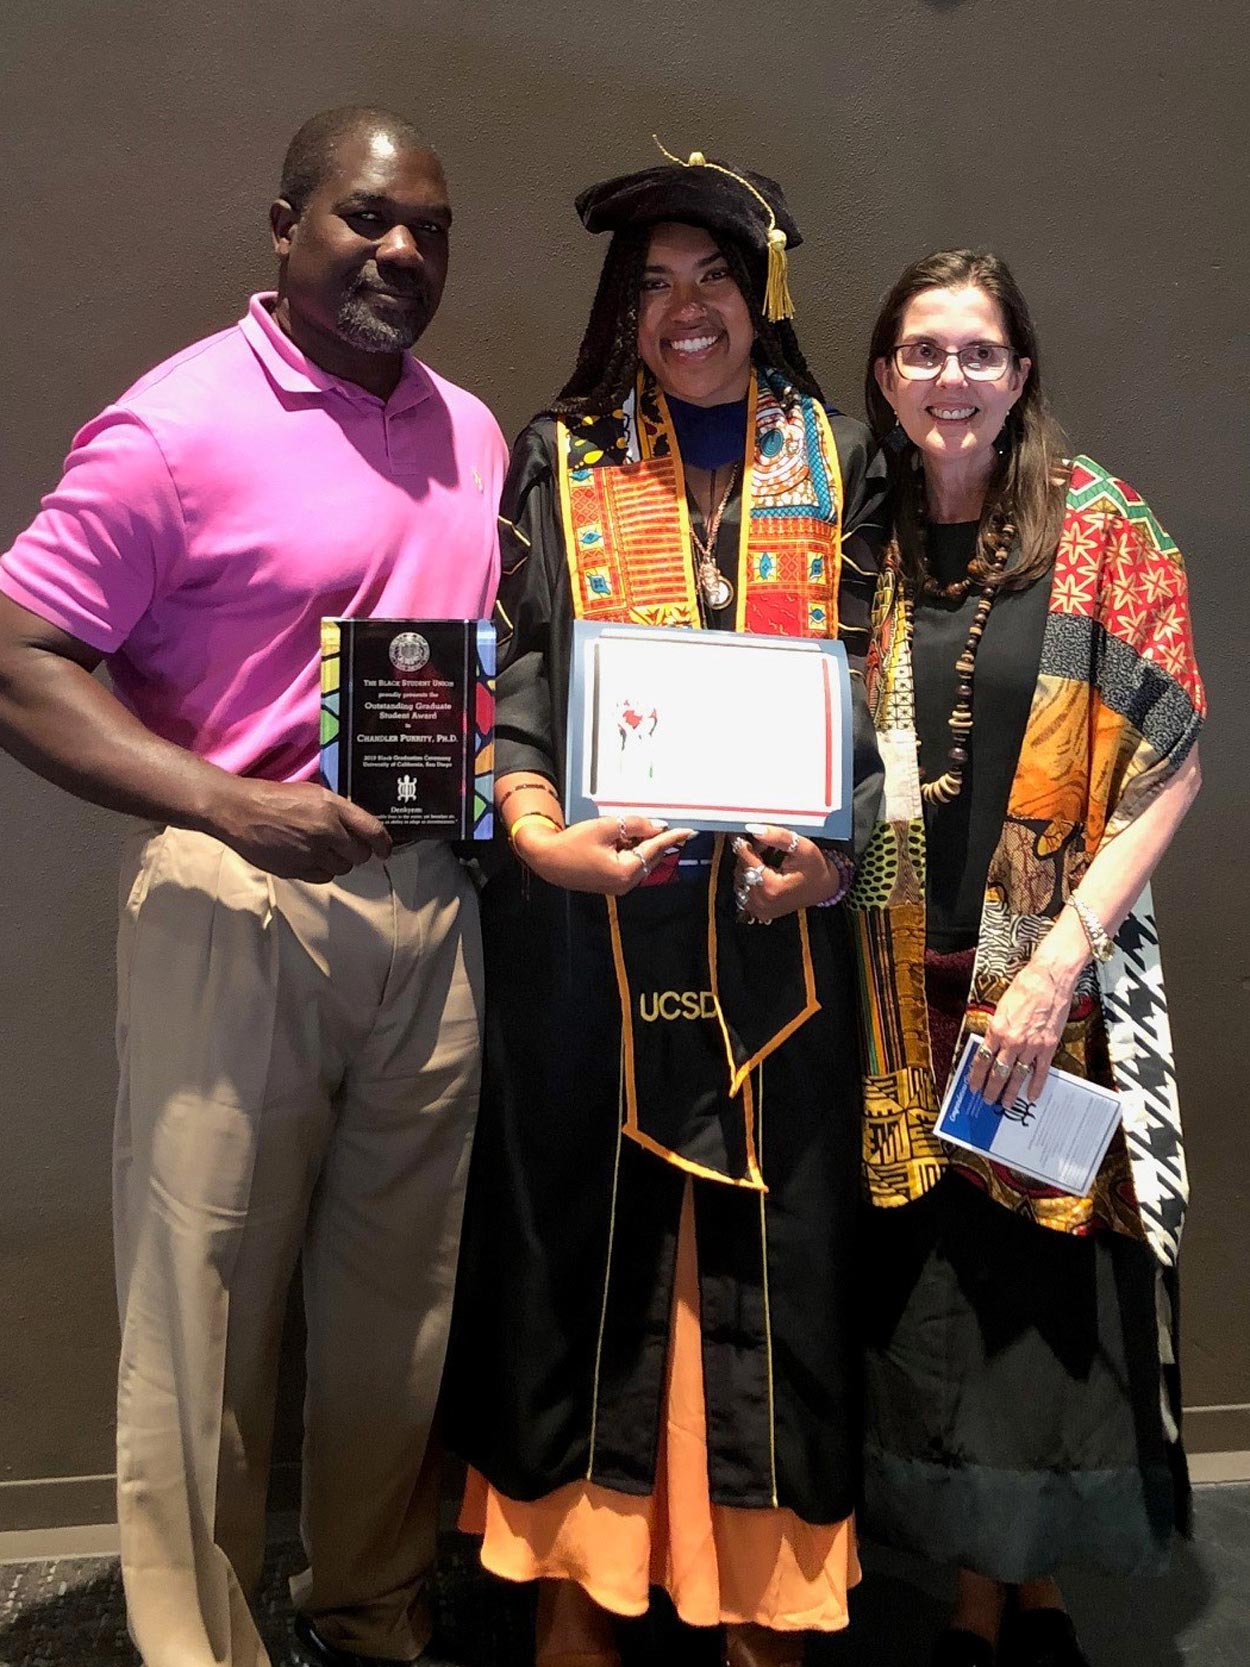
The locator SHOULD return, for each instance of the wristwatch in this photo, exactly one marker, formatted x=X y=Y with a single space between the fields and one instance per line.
x=1101 y=947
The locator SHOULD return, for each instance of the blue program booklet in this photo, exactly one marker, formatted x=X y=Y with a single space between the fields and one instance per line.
x=1059 y=1137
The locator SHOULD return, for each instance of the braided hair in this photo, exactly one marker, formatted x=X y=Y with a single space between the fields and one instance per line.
x=607 y=361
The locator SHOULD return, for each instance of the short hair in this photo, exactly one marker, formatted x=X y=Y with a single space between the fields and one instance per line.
x=313 y=151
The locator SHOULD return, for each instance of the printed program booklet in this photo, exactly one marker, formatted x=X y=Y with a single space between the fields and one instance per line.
x=1060 y=1137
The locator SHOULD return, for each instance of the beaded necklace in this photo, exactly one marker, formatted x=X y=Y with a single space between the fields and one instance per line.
x=949 y=784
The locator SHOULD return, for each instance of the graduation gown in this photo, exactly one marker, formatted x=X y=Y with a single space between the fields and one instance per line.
x=557 y=1364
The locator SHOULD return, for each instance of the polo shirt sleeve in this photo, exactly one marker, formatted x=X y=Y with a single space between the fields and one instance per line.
x=102 y=546
x=497 y=452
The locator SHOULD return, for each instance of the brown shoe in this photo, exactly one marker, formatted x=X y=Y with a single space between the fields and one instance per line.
x=748 y=1645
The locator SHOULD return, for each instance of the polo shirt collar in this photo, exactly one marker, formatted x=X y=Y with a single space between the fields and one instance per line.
x=296 y=373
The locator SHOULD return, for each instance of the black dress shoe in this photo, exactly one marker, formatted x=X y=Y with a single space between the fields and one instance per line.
x=957 y=1648
x=314 y=1651
x=1042 y=1638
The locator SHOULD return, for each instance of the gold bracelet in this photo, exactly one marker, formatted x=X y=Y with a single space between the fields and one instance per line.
x=532 y=816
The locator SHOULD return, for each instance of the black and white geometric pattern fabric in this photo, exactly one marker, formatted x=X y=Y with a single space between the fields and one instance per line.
x=1140 y=1042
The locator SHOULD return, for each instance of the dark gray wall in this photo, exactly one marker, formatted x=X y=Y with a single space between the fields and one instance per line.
x=1099 y=146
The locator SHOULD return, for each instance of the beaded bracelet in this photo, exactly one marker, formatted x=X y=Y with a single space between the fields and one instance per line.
x=532 y=816
x=846 y=873
x=538 y=786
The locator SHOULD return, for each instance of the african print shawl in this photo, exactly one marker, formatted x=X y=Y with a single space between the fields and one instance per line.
x=1117 y=706
x=626 y=526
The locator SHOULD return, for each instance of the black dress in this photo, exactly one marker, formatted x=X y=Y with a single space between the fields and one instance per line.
x=559 y=1343
x=1015 y=1404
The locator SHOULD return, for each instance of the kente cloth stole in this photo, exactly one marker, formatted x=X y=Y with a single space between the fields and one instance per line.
x=627 y=521
x=626 y=526
x=1117 y=706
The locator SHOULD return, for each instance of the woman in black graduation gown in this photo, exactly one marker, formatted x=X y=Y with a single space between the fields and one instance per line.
x=653 y=1375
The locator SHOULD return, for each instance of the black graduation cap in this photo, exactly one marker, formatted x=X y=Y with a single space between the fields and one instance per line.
x=749 y=207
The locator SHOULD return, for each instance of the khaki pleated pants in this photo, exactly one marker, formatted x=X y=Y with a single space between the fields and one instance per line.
x=299 y=1074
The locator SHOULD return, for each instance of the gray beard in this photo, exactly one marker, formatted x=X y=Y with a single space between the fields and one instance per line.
x=365 y=330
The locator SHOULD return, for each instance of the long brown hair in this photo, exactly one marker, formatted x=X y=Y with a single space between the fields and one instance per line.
x=1026 y=490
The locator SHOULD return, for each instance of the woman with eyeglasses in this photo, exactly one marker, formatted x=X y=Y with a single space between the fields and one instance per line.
x=1038 y=708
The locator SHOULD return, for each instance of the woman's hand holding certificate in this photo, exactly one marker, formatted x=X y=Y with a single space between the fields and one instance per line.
x=803 y=876
x=606 y=854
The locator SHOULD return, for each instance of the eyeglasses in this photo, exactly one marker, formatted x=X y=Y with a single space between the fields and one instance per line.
x=922 y=361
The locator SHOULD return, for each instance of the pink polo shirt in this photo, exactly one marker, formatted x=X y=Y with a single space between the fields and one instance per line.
x=235 y=494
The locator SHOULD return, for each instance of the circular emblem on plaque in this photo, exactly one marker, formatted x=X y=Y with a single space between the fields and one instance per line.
x=409 y=651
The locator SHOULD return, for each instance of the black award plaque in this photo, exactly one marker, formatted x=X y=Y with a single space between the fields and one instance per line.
x=407 y=722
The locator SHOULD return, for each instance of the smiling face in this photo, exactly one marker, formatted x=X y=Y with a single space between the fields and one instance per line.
x=953 y=419
x=694 y=326
x=364 y=262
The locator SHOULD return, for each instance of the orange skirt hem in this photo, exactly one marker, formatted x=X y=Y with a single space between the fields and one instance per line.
x=719 y=1564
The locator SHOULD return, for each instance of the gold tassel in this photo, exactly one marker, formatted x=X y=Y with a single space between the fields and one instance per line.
x=778 y=302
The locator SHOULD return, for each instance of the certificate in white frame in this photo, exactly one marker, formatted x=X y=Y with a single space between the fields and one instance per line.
x=709 y=729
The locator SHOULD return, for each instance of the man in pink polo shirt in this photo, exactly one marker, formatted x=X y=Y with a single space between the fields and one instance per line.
x=299 y=1004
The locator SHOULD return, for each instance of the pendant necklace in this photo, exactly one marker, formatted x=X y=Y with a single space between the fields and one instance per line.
x=714 y=588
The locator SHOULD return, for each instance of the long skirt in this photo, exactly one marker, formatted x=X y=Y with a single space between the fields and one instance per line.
x=1020 y=1403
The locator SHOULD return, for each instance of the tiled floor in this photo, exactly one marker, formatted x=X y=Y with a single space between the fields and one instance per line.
x=69 y=1613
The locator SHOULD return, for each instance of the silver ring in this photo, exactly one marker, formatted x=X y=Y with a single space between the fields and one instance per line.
x=1023 y=1065
x=753 y=876
x=622 y=836
x=793 y=846
x=1001 y=1070
x=984 y=1053
x=741 y=896
x=643 y=864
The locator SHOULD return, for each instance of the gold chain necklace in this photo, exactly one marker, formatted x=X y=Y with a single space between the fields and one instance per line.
x=714 y=587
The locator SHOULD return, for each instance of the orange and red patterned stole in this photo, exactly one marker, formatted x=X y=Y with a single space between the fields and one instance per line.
x=627 y=522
